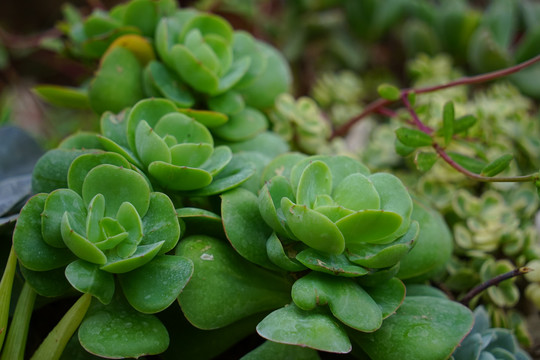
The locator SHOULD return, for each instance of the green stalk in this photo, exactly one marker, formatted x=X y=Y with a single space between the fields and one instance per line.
x=18 y=331
x=52 y=347
x=5 y=293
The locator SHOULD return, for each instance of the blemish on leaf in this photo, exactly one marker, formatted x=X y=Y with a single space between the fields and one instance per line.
x=208 y=257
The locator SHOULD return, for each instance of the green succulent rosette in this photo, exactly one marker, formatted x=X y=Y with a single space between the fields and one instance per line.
x=335 y=207
x=107 y=222
x=174 y=150
x=331 y=230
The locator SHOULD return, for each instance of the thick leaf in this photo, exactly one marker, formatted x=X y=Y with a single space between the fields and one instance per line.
x=137 y=44
x=242 y=126
x=160 y=223
x=117 y=84
x=87 y=278
x=193 y=71
x=58 y=202
x=271 y=350
x=183 y=128
x=52 y=283
x=142 y=255
x=154 y=286
x=211 y=298
x=383 y=255
x=117 y=185
x=82 y=140
x=394 y=197
x=130 y=220
x=368 y=226
x=267 y=143
x=274 y=80
x=149 y=110
x=200 y=221
x=316 y=180
x=80 y=167
x=244 y=226
x=234 y=174
x=233 y=76
x=63 y=96
x=357 y=192
x=414 y=138
x=168 y=84
x=337 y=265
x=313 y=329
x=423 y=328
x=282 y=165
x=150 y=146
x=51 y=170
x=270 y=203
x=78 y=244
x=119 y=331
x=276 y=254
x=229 y=103
x=207 y=118
x=179 y=177
x=388 y=295
x=433 y=245
x=340 y=167
x=313 y=228
x=34 y=253
x=143 y=15
x=347 y=301
x=191 y=155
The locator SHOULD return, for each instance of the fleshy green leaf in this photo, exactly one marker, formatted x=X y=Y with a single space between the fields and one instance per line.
x=356 y=192
x=242 y=126
x=160 y=223
x=245 y=227
x=58 y=202
x=87 y=278
x=270 y=203
x=346 y=299
x=119 y=331
x=210 y=300
x=63 y=96
x=117 y=185
x=388 y=295
x=313 y=228
x=52 y=283
x=78 y=244
x=179 y=177
x=337 y=265
x=423 y=328
x=368 y=226
x=169 y=85
x=276 y=254
x=313 y=329
x=34 y=253
x=383 y=255
x=271 y=350
x=150 y=146
x=208 y=118
x=141 y=256
x=316 y=180
x=154 y=286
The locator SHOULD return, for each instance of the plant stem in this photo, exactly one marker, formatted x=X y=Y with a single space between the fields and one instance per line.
x=442 y=153
x=5 y=293
x=467 y=80
x=18 y=331
x=52 y=347
x=495 y=281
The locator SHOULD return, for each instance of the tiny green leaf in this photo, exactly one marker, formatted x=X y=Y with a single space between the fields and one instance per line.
x=414 y=138
x=498 y=165
x=389 y=92
x=402 y=149
x=448 y=122
x=464 y=123
x=425 y=160
x=469 y=163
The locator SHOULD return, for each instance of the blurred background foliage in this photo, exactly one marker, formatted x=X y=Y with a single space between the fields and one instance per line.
x=340 y=51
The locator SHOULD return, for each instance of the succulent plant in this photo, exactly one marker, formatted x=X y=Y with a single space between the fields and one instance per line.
x=301 y=123
x=485 y=342
x=106 y=234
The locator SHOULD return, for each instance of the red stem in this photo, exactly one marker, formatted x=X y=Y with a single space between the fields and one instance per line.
x=380 y=103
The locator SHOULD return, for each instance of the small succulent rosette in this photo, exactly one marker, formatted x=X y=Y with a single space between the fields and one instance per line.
x=106 y=234
x=107 y=221
x=174 y=150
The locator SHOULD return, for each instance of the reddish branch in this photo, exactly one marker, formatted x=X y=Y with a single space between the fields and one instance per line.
x=492 y=282
x=467 y=80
